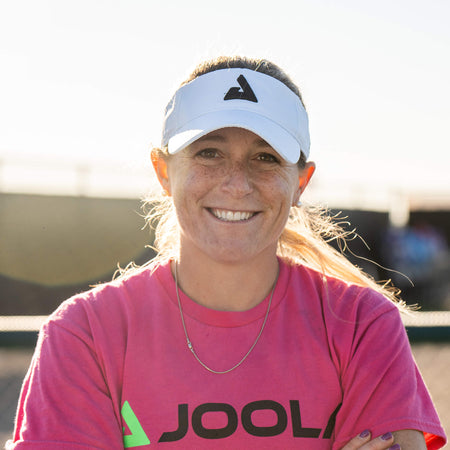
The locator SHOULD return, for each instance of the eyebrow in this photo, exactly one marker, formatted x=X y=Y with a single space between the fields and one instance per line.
x=262 y=143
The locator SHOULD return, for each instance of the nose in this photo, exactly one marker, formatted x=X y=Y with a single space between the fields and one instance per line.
x=237 y=180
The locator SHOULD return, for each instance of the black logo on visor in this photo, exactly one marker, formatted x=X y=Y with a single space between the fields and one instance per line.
x=244 y=92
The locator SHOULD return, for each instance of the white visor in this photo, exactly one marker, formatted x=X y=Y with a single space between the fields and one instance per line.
x=239 y=98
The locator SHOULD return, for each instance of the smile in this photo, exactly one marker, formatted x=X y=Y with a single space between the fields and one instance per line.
x=231 y=216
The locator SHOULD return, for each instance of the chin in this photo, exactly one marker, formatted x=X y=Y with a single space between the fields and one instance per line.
x=236 y=254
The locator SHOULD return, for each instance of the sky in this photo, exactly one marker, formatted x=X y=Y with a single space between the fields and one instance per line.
x=84 y=83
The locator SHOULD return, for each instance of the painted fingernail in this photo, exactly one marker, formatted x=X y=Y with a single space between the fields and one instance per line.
x=386 y=436
x=395 y=447
x=364 y=434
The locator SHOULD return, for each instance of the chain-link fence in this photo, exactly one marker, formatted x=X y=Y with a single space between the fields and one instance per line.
x=13 y=367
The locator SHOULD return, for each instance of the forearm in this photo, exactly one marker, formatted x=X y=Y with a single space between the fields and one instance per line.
x=410 y=440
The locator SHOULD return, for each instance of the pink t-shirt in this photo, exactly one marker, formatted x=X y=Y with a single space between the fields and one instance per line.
x=112 y=370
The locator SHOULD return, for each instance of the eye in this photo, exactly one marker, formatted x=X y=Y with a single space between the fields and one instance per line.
x=207 y=153
x=268 y=157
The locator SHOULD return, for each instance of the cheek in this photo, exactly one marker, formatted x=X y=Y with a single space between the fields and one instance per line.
x=189 y=185
x=281 y=187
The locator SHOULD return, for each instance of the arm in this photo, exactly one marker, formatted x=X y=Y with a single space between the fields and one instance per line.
x=383 y=389
x=410 y=439
x=399 y=440
x=65 y=401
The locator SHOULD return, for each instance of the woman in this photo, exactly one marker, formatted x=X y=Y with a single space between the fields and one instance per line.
x=247 y=330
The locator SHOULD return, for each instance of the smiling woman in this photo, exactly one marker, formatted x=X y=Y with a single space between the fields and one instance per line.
x=247 y=329
x=229 y=175
x=232 y=193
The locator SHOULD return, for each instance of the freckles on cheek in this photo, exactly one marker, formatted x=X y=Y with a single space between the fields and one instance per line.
x=279 y=185
x=196 y=183
x=205 y=175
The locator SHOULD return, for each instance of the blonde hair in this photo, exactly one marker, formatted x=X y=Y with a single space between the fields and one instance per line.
x=309 y=231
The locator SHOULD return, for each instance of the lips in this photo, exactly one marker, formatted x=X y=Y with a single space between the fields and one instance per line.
x=231 y=216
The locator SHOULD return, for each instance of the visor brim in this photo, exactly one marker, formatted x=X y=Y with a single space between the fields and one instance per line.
x=276 y=136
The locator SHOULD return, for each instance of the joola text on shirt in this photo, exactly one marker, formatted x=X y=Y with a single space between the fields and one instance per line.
x=182 y=420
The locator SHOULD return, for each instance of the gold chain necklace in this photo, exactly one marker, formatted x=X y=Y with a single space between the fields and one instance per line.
x=189 y=343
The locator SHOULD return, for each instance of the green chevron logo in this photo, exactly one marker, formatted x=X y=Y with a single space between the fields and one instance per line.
x=137 y=438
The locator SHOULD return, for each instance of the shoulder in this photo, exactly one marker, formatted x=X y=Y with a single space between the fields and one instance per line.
x=110 y=304
x=338 y=298
x=353 y=317
x=342 y=312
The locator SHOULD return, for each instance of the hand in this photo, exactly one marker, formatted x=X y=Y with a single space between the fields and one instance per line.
x=364 y=441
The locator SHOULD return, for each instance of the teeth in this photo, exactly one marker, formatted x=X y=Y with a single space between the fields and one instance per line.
x=230 y=216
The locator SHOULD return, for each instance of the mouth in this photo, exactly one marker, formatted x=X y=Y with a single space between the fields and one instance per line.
x=231 y=216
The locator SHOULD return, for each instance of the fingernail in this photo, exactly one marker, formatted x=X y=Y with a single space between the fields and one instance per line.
x=386 y=436
x=395 y=447
x=364 y=434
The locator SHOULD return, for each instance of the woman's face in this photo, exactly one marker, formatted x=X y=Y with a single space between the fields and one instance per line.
x=232 y=193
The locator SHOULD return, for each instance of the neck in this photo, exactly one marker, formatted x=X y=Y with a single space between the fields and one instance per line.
x=227 y=286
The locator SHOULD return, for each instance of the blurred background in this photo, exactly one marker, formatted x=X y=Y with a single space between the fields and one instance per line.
x=83 y=86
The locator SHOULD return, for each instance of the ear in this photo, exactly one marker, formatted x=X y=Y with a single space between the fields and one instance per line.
x=304 y=178
x=160 y=166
